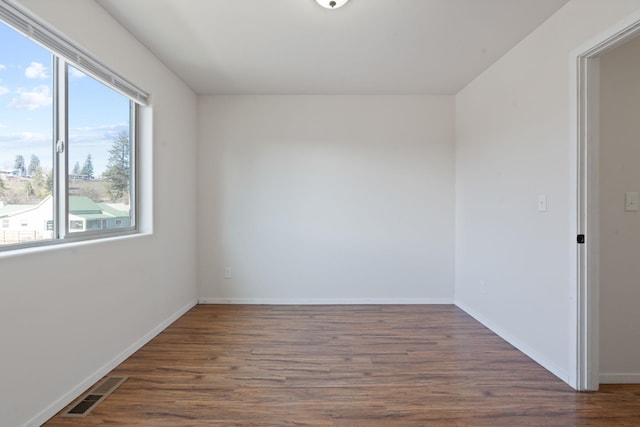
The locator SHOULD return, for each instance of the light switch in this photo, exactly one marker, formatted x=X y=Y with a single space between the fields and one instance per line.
x=542 y=202
x=631 y=201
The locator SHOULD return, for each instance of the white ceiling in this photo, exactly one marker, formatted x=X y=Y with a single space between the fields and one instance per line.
x=298 y=47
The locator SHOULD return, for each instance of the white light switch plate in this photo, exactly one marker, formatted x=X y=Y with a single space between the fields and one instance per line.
x=631 y=201
x=542 y=202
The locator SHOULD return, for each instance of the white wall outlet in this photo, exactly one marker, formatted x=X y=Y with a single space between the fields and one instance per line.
x=483 y=287
x=542 y=202
x=631 y=201
x=227 y=272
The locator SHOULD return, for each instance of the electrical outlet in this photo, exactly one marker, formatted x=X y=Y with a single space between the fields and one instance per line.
x=227 y=272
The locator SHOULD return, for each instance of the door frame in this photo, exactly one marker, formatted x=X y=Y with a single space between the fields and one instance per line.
x=584 y=373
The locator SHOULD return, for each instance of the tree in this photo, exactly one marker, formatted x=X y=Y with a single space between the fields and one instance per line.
x=3 y=187
x=48 y=183
x=119 y=167
x=28 y=189
x=76 y=169
x=87 y=168
x=38 y=183
x=19 y=165
x=33 y=165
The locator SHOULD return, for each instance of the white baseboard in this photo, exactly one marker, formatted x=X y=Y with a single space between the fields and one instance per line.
x=325 y=301
x=73 y=394
x=619 y=378
x=560 y=373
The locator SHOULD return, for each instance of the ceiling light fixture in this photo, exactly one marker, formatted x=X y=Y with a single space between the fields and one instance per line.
x=331 y=4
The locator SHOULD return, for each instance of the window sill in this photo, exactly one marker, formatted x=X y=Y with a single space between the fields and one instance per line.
x=67 y=245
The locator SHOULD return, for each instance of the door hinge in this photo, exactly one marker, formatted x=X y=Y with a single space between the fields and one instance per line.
x=581 y=238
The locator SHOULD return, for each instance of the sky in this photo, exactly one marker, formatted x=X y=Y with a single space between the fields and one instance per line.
x=97 y=114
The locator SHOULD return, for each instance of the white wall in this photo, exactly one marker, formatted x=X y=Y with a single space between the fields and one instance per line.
x=68 y=312
x=326 y=198
x=513 y=143
x=619 y=230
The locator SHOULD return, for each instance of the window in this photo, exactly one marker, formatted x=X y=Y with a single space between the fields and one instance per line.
x=67 y=138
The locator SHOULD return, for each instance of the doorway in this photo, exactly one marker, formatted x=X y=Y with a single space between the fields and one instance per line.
x=602 y=149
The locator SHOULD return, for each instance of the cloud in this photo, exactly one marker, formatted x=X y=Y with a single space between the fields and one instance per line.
x=25 y=136
x=32 y=100
x=75 y=73
x=4 y=90
x=24 y=140
x=3 y=67
x=36 y=71
x=96 y=135
x=117 y=127
x=2 y=126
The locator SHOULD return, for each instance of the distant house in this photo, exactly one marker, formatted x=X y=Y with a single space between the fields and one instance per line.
x=85 y=214
x=79 y=177
x=11 y=172
x=24 y=223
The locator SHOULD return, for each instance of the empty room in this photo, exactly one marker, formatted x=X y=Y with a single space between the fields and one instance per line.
x=327 y=213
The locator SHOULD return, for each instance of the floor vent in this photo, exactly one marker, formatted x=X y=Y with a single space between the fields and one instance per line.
x=89 y=401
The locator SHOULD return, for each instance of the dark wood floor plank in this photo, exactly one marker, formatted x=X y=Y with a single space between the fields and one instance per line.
x=234 y=365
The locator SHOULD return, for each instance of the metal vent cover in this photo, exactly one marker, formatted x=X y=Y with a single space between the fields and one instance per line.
x=93 y=397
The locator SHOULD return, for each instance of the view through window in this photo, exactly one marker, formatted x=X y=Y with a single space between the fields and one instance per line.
x=26 y=132
x=80 y=183
x=99 y=152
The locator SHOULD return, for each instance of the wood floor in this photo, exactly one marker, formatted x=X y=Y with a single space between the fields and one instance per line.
x=236 y=365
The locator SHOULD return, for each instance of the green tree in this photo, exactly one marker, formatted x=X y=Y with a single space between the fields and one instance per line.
x=49 y=183
x=119 y=168
x=19 y=165
x=29 y=191
x=33 y=165
x=38 y=183
x=87 y=168
x=76 y=169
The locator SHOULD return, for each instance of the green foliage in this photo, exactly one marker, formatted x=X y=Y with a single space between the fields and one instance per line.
x=28 y=189
x=48 y=183
x=87 y=168
x=118 y=169
x=34 y=165
x=19 y=165
x=37 y=182
x=76 y=169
